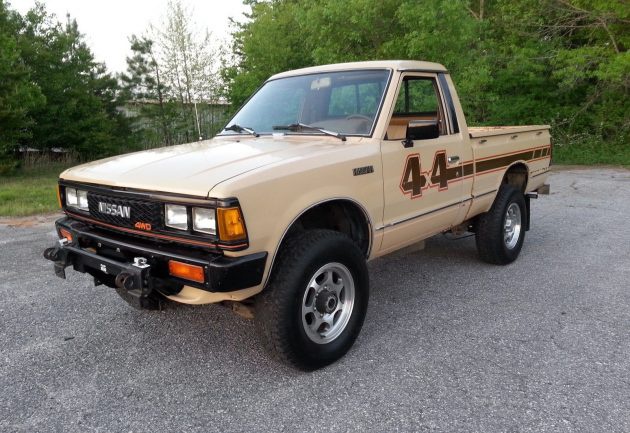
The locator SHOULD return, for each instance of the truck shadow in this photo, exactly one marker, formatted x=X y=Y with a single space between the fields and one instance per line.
x=415 y=300
x=416 y=280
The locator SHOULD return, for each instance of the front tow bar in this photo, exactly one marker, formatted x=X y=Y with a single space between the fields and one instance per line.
x=131 y=280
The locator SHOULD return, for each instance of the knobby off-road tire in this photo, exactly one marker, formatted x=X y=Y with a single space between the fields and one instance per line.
x=313 y=308
x=501 y=231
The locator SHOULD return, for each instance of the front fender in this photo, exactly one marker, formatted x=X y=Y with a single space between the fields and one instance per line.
x=274 y=197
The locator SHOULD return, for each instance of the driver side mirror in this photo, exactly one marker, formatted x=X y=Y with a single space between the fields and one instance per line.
x=421 y=130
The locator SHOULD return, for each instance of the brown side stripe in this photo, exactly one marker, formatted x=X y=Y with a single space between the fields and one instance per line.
x=468 y=169
x=453 y=173
x=491 y=164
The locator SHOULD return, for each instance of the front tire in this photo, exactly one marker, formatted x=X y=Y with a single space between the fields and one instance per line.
x=501 y=231
x=312 y=311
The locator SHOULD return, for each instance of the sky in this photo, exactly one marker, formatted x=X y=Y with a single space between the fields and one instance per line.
x=107 y=25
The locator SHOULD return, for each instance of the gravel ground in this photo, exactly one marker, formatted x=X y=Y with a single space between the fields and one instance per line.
x=449 y=343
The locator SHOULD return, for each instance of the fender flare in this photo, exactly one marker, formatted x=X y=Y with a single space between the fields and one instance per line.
x=366 y=215
x=507 y=168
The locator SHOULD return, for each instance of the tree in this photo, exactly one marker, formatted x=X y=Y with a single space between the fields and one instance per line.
x=270 y=41
x=563 y=62
x=190 y=64
x=80 y=113
x=18 y=94
x=172 y=80
x=144 y=83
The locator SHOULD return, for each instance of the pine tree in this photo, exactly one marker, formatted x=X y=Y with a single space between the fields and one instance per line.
x=143 y=83
x=18 y=94
x=80 y=113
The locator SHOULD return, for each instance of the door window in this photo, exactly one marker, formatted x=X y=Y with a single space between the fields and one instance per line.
x=417 y=96
x=418 y=100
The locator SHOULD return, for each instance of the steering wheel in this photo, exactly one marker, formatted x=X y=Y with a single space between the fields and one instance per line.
x=358 y=116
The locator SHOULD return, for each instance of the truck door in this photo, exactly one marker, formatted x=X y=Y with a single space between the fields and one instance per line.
x=421 y=165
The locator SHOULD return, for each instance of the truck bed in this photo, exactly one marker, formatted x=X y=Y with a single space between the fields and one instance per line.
x=497 y=147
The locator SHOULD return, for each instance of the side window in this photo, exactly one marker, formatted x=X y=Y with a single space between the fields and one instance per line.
x=417 y=96
x=418 y=100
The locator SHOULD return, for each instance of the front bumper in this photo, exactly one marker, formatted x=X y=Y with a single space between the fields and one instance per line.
x=138 y=268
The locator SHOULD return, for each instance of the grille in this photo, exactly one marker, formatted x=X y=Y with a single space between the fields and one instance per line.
x=144 y=211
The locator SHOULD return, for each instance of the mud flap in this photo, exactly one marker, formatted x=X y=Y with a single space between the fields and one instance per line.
x=527 y=212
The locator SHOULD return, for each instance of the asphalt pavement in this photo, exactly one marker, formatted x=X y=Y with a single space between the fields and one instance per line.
x=449 y=343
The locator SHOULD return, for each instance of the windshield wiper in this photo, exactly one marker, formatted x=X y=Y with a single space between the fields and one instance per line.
x=238 y=128
x=301 y=126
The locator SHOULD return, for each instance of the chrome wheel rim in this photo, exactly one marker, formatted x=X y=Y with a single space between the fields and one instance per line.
x=512 y=226
x=327 y=303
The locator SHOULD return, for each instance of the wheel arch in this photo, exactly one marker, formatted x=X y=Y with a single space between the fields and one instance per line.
x=517 y=175
x=343 y=214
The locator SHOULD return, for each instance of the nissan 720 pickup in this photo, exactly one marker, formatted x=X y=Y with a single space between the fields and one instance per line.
x=321 y=170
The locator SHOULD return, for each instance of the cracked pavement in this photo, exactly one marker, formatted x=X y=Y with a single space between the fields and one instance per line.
x=449 y=343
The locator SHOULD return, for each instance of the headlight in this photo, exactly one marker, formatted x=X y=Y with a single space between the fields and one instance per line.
x=77 y=198
x=204 y=220
x=71 y=197
x=83 y=201
x=176 y=217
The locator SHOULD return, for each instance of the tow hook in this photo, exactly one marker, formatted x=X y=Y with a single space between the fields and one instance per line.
x=59 y=257
x=51 y=254
x=125 y=281
x=134 y=288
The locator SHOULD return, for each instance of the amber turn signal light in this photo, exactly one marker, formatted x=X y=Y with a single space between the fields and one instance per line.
x=59 y=195
x=66 y=234
x=231 y=224
x=186 y=271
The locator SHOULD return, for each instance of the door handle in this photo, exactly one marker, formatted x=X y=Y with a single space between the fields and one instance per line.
x=453 y=159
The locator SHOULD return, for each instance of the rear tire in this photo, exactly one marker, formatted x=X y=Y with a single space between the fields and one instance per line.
x=313 y=308
x=501 y=231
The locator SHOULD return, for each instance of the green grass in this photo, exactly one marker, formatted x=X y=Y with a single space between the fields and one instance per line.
x=591 y=152
x=30 y=191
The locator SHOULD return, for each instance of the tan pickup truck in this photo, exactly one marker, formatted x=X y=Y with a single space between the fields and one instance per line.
x=321 y=170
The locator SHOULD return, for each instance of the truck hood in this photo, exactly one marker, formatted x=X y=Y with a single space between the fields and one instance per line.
x=194 y=168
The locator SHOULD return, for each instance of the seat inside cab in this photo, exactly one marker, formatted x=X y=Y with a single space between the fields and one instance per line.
x=418 y=100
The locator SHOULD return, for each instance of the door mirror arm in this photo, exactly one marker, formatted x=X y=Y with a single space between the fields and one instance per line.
x=407 y=142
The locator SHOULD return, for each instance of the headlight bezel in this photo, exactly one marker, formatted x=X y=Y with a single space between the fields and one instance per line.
x=219 y=229
x=192 y=225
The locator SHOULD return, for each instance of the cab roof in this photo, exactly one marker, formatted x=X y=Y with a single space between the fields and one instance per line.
x=398 y=65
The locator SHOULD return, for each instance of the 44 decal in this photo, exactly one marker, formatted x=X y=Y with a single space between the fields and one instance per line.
x=414 y=180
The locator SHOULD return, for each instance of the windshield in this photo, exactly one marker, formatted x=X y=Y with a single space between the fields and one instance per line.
x=342 y=102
